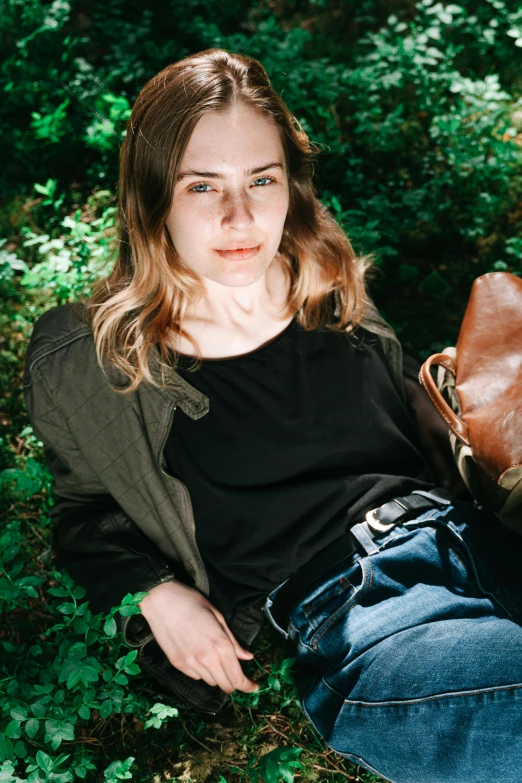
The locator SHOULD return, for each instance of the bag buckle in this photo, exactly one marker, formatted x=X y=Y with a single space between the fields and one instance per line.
x=376 y=524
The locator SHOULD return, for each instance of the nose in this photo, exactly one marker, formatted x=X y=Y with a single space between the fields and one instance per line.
x=237 y=212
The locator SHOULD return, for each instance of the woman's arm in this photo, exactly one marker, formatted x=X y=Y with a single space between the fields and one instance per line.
x=106 y=552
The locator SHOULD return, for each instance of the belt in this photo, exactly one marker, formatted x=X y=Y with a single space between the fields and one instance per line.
x=379 y=520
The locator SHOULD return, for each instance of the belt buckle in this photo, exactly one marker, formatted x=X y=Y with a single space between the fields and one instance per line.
x=375 y=523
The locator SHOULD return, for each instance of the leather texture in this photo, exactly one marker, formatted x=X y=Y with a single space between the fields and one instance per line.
x=484 y=411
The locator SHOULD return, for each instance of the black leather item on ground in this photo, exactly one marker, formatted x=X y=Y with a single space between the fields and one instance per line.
x=389 y=514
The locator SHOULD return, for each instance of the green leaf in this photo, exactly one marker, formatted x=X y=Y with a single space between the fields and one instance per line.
x=64 y=777
x=135 y=598
x=84 y=712
x=58 y=592
x=20 y=750
x=106 y=709
x=121 y=679
x=66 y=608
x=83 y=768
x=44 y=761
x=6 y=747
x=119 y=770
x=6 y=773
x=274 y=683
x=19 y=713
x=125 y=660
x=31 y=727
x=56 y=731
x=13 y=730
x=128 y=611
x=279 y=763
x=79 y=625
x=110 y=628
x=38 y=709
x=286 y=773
x=160 y=712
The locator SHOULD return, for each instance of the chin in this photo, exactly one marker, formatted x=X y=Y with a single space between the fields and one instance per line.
x=238 y=278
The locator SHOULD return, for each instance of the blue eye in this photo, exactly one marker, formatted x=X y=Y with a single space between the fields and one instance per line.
x=206 y=185
x=270 y=179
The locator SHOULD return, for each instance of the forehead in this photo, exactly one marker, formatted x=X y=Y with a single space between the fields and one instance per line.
x=239 y=137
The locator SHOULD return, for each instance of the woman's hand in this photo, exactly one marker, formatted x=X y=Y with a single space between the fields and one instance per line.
x=195 y=638
x=434 y=438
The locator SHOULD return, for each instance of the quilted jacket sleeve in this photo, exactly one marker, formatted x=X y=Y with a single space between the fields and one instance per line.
x=93 y=538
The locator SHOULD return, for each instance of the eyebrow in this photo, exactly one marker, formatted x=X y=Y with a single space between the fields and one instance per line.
x=217 y=175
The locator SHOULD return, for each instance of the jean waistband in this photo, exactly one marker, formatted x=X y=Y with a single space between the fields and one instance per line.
x=358 y=538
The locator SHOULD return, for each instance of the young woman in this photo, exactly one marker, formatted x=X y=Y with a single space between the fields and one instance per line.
x=229 y=429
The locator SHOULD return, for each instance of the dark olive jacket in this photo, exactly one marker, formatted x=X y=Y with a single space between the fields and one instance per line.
x=121 y=522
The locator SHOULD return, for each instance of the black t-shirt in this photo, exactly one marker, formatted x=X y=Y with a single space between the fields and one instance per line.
x=303 y=436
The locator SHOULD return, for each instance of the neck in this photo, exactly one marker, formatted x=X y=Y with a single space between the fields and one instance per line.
x=231 y=308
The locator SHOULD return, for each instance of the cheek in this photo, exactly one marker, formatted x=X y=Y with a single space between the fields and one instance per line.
x=275 y=210
x=188 y=221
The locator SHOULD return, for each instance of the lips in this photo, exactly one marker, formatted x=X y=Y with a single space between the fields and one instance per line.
x=239 y=253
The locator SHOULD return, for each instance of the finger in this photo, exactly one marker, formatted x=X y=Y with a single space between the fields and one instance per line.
x=227 y=672
x=236 y=675
x=216 y=674
x=200 y=674
x=191 y=673
x=240 y=651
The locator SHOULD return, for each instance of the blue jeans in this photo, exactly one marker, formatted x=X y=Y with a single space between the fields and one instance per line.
x=409 y=655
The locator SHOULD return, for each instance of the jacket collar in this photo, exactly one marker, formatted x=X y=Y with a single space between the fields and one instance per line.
x=193 y=402
x=177 y=390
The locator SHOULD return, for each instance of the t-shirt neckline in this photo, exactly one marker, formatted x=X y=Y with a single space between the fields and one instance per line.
x=185 y=360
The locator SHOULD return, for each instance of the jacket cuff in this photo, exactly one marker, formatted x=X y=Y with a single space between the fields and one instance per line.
x=135 y=628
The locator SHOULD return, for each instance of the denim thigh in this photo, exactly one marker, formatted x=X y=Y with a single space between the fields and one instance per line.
x=409 y=656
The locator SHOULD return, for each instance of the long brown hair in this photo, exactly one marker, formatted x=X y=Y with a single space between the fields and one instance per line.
x=142 y=302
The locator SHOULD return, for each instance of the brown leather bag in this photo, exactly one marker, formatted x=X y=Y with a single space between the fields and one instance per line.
x=478 y=393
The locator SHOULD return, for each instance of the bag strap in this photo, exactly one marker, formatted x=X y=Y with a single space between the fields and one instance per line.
x=456 y=425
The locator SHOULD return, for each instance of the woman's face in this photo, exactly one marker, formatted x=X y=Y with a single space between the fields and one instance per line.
x=232 y=192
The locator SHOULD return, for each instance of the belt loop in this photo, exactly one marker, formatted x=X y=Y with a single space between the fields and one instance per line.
x=362 y=533
x=269 y=612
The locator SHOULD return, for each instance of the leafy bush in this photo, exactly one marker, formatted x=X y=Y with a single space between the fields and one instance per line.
x=419 y=116
x=56 y=675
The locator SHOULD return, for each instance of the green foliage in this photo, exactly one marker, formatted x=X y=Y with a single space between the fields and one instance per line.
x=160 y=713
x=78 y=251
x=418 y=116
x=273 y=767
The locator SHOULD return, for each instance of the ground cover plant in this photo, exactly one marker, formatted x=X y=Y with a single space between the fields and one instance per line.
x=417 y=110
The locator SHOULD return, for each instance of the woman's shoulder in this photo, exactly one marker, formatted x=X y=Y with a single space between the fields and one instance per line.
x=55 y=328
x=61 y=353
